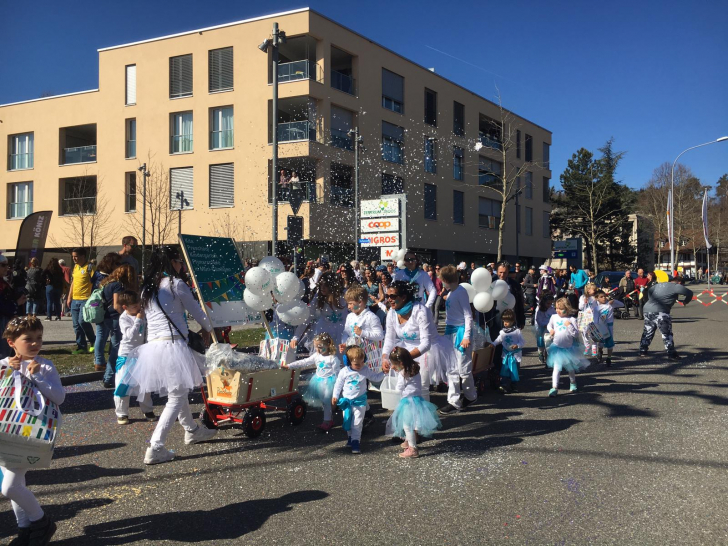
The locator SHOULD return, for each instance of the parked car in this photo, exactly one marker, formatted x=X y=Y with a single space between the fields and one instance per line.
x=613 y=276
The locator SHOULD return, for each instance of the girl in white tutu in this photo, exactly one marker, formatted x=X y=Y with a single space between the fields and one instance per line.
x=328 y=310
x=321 y=386
x=564 y=350
x=413 y=415
x=165 y=364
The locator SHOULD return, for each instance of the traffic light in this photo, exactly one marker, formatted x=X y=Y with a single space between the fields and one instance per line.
x=295 y=229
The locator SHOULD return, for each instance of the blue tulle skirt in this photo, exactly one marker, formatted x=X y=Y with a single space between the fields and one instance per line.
x=414 y=413
x=318 y=390
x=569 y=360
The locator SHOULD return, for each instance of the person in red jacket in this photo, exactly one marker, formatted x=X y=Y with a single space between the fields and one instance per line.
x=640 y=282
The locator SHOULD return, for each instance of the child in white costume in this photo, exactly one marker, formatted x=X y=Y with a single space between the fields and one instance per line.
x=564 y=350
x=605 y=324
x=588 y=303
x=512 y=340
x=25 y=337
x=545 y=310
x=321 y=386
x=328 y=313
x=350 y=393
x=133 y=329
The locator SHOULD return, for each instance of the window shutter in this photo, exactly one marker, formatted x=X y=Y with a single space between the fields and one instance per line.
x=394 y=132
x=392 y=85
x=222 y=185
x=221 y=69
x=131 y=84
x=181 y=180
x=180 y=76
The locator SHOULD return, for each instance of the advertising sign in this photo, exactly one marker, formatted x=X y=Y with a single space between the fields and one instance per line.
x=380 y=208
x=379 y=225
x=389 y=239
x=388 y=253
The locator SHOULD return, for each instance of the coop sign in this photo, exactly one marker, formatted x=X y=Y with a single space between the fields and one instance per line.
x=380 y=225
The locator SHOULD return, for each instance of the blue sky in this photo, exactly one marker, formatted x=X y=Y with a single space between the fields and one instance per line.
x=652 y=74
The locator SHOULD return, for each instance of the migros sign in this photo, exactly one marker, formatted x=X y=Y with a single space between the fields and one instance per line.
x=379 y=225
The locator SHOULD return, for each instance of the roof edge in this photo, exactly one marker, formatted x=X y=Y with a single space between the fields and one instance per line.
x=51 y=97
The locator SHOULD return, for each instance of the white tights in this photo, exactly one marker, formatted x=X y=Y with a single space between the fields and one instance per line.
x=327 y=409
x=25 y=505
x=177 y=407
x=411 y=437
x=557 y=376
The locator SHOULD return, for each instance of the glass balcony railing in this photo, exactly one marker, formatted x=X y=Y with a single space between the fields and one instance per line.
x=308 y=189
x=296 y=130
x=21 y=161
x=297 y=70
x=130 y=149
x=490 y=141
x=343 y=82
x=221 y=139
x=341 y=139
x=20 y=210
x=78 y=205
x=79 y=154
x=181 y=144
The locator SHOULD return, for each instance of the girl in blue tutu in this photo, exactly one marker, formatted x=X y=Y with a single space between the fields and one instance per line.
x=512 y=340
x=414 y=415
x=564 y=353
x=321 y=386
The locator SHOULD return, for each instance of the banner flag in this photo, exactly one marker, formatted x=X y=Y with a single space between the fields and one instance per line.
x=32 y=236
x=669 y=219
x=705 y=220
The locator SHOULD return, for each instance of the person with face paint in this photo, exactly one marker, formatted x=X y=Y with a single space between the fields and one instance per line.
x=361 y=323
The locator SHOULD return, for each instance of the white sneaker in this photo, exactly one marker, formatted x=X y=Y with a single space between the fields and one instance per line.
x=200 y=434
x=156 y=456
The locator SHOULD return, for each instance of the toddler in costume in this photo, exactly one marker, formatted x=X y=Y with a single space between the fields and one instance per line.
x=588 y=305
x=564 y=351
x=605 y=324
x=350 y=393
x=512 y=340
x=544 y=312
x=361 y=323
x=321 y=386
x=413 y=415
x=25 y=336
x=133 y=329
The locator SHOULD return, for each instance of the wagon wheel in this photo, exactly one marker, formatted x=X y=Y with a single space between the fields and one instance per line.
x=481 y=385
x=205 y=418
x=296 y=411
x=253 y=422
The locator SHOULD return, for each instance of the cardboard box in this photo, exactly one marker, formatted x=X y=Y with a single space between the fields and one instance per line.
x=483 y=359
x=235 y=387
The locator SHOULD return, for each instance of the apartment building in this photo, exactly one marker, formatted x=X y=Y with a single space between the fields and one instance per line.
x=196 y=108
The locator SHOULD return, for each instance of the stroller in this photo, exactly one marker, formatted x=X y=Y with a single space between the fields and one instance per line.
x=628 y=302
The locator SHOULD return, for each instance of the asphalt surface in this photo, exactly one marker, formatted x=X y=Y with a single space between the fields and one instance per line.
x=636 y=456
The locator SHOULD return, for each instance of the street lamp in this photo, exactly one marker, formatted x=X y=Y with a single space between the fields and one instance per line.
x=180 y=195
x=279 y=37
x=357 y=141
x=145 y=174
x=672 y=193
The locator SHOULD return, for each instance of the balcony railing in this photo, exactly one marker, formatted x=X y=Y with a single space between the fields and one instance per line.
x=20 y=210
x=489 y=141
x=343 y=82
x=221 y=139
x=79 y=154
x=78 y=205
x=341 y=139
x=130 y=149
x=21 y=161
x=308 y=189
x=181 y=144
x=297 y=70
x=296 y=130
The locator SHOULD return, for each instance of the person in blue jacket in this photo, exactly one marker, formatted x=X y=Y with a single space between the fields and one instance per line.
x=579 y=278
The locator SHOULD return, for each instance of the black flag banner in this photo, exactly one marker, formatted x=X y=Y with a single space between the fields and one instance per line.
x=32 y=236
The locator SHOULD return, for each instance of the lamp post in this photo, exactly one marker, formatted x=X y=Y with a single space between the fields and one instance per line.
x=182 y=202
x=357 y=141
x=672 y=191
x=278 y=37
x=145 y=174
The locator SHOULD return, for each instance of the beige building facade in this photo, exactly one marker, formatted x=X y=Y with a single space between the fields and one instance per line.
x=196 y=109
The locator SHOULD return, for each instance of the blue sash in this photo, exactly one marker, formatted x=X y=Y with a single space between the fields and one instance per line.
x=347 y=404
x=510 y=364
x=459 y=332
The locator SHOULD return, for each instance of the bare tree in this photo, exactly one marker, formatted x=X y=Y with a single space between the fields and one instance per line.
x=227 y=224
x=652 y=203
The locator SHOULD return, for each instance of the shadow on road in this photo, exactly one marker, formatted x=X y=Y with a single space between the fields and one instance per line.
x=61 y=512
x=74 y=451
x=77 y=474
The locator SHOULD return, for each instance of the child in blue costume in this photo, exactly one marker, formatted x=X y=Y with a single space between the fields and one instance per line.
x=321 y=386
x=564 y=350
x=413 y=415
x=512 y=340
x=605 y=325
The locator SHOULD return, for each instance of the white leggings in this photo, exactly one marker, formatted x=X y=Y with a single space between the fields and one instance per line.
x=122 y=405
x=557 y=376
x=25 y=505
x=327 y=409
x=411 y=437
x=177 y=407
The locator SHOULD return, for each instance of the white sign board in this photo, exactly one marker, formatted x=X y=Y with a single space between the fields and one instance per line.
x=388 y=253
x=379 y=225
x=380 y=208
x=388 y=239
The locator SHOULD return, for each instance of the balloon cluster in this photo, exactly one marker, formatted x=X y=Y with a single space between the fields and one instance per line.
x=270 y=280
x=484 y=293
x=399 y=257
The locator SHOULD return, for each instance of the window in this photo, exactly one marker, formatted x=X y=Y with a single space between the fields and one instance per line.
x=489 y=172
x=79 y=196
x=430 y=107
x=342 y=191
x=529 y=148
x=221 y=128
x=21 y=152
x=392 y=184
x=130 y=192
x=430 y=202
x=518 y=143
x=220 y=66
x=180 y=76
x=528 y=190
x=458 y=207
x=392 y=143
x=20 y=200
x=181 y=188
x=546 y=155
x=546 y=191
x=392 y=91
x=489 y=212
x=130 y=98
x=489 y=133
x=458 y=119
x=458 y=170
x=181 y=133
x=529 y=221
x=130 y=138
x=222 y=185
x=430 y=155
x=546 y=225
x=342 y=121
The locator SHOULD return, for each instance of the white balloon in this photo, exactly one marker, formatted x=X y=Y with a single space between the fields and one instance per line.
x=510 y=301
x=400 y=264
x=401 y=253
x=483 y=302
x=258 y=302
x=470 y=289
x=258 y=280
x=481 y=279
x=499 y=289
x=273 y=265
x=501 y=306
x=293 y=312
x=286 y=287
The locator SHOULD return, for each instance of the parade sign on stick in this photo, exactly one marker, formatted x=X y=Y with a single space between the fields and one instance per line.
x=219 y=278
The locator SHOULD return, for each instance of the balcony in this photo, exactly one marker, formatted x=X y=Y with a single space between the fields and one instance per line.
x=296 y=130
x=490 y=141
x=296 y=70
x=79 y=154
x=341 y=139
x=342 y=71
x=343 y=82
x=308 y=189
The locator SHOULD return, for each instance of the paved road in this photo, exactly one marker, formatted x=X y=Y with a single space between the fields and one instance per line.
x=637 y=456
